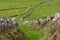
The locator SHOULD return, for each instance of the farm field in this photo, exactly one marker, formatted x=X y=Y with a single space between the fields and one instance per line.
x=46 y=8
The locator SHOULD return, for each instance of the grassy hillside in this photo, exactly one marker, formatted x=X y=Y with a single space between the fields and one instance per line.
x=45 y=9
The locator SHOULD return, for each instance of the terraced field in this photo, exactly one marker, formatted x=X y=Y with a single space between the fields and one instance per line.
x=38 y=8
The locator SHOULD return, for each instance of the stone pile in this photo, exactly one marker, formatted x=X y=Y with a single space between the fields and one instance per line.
x=38 y=22
x=7 y=23
x=56 y=17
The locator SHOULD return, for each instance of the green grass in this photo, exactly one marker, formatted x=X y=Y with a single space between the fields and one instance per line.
x=12 y=12
x=31 y=34
x=47 y=9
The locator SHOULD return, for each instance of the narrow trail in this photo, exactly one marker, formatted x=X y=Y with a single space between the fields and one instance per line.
x=16 y=7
